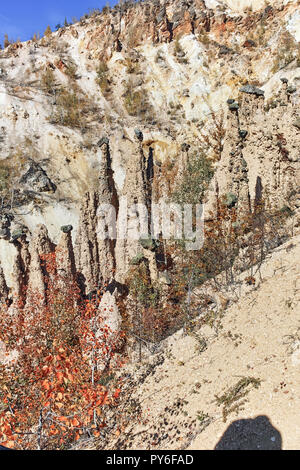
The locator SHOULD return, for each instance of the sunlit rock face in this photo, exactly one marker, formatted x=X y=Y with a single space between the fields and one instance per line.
x=145 y=82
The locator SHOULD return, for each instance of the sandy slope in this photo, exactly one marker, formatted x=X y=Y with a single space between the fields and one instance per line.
x=176 y=395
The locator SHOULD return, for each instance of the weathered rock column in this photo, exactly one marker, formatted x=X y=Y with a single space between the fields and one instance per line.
x=4 y=290
x=95 y=243
x=86 y=246
x=136 y=195
x=20 y=270
x=107 y=213
x=35 y=294
x=65 y=260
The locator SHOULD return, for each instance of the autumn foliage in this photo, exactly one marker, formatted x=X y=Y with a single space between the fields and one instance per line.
x=57 y=351
x=235 y=241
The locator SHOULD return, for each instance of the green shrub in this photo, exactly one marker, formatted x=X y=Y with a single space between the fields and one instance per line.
x=4 y=178
x=136 y=260
x=48 y=81
x=68 y=109
x=71 y=71
x=231 y=400
x=288 y=51
x=135 y=101
x=102 y=77
x=195 y=180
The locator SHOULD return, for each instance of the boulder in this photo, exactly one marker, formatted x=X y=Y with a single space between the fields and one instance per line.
x=252 y=90
x=36 y=179
x=139 y=134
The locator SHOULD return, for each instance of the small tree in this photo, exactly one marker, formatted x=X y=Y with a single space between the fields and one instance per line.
x=102 y=77
x=48 y=81
x=212 y=140
x=48 y=32
x=6 y=41
x=195 y=180
x=51 y=393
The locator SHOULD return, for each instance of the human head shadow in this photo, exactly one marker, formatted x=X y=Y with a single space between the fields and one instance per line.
x=250 y=434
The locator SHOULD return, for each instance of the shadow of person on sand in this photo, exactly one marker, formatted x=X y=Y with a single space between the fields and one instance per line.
x=250 y=434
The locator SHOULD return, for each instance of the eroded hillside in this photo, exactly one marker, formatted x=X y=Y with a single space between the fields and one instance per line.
x=143 y=104
x=238 y=391
x=166 y=69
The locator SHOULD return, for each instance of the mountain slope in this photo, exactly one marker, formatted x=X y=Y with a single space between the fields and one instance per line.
x=165 y=69
x=258 y=338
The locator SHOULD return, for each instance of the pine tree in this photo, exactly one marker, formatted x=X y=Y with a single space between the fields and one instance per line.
x=6 y=40
x=48 y=32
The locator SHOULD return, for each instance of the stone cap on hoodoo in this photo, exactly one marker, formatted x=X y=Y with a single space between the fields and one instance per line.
x=252 y=90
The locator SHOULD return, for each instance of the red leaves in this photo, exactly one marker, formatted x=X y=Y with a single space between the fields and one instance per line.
x=59 y=376
x=117 y=393
x=58 y=345
x=75 y=422
x=46 y=384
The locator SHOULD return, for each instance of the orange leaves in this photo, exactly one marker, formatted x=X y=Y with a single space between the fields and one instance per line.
x=53 y=430
x=117 y=393
x=103 y=400
x=53 y=388
x=9 y=444
x=59 y=376
x=46 y=385
x=75 y=422
x=48 y=358
x=5 y=429
x=62 y=419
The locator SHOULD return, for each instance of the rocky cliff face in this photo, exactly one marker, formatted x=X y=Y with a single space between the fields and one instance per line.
x=260 y=158
x=89 y=115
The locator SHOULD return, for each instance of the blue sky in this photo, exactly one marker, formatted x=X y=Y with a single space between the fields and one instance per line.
x=22 y=18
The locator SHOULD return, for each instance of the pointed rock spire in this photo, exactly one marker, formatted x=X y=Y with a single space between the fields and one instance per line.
x=20 y=269
x=95 y=242
x=36 y=285
x=86 y=247
x=65 y=259
x=4 y=290
x=42 y=241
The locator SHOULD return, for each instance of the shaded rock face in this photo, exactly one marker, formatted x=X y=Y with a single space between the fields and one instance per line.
x=102 y=252
x=86 y=248
x=20 y=270
x=36 y=292
x=36 y=179
x=4 y=291
x=5 y=224
x=137 y=196
x=28 y=284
